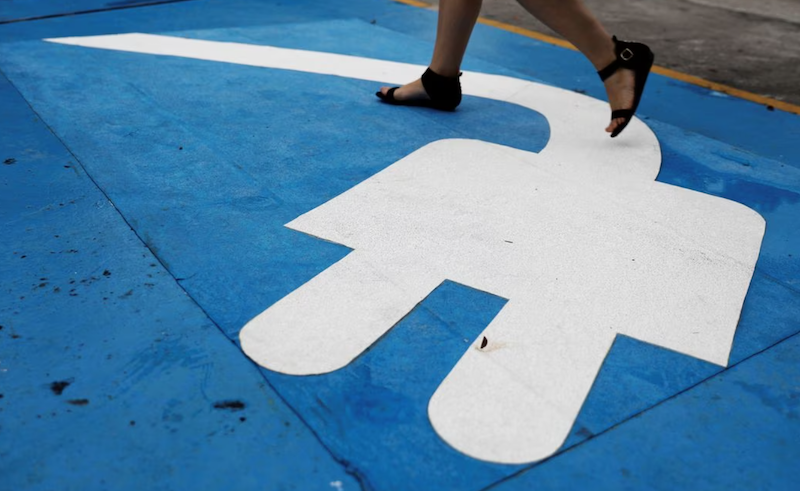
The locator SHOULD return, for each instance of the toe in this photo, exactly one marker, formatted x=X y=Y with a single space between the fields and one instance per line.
x=614 y=124
x=619 y=88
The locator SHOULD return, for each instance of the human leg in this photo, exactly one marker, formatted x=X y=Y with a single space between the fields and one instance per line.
x=454 y=26
x=570 y=18
x=578 y=25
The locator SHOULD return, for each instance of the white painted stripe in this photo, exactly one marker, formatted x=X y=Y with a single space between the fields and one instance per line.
x=574 y=118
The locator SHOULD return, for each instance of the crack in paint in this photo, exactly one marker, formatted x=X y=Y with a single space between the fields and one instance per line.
x=113 y=6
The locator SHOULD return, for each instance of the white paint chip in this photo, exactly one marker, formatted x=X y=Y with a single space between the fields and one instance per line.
x=599 y=248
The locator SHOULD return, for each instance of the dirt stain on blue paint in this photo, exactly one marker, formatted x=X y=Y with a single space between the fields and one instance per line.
x=584 y=432
x=130 y=3
x=58 y=386
x=230 y=405
x=257 y=203
x=787 y=406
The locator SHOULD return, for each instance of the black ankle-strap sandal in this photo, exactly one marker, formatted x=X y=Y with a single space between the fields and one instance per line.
x=444 y=92
x=632 y=56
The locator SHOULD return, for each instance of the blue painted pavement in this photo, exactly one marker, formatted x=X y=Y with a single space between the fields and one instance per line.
x=737 y=430
x=110 y=376
x=176 y=177
x=22 y=10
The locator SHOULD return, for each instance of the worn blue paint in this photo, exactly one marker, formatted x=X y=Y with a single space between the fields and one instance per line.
x=738 y=430
x=109 y=373
x=374 y=411
x=19 y=10
x=207 y=161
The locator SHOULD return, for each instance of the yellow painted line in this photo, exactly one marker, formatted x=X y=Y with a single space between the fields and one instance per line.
x=414 y=3
x=525 y=32
x=742 y=94
x=683 y=77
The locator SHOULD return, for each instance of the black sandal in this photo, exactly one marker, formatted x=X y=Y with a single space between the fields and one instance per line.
x=444 y=92
x=636 y=57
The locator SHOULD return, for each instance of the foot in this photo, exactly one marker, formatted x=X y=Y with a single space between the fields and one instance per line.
x=620 y=90
x=409 y=92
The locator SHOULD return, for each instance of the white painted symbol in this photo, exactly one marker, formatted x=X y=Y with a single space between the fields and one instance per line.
x=579 y=238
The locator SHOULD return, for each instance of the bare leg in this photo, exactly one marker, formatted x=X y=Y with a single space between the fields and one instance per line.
x=570 y=18
x=456 y=20
x=454 y=27
x=575 y=22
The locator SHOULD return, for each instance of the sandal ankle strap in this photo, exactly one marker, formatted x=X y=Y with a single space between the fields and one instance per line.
x=628 y=55
x=443 y=91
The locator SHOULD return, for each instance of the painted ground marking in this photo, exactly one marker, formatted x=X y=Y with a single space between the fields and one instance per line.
x=596 y=249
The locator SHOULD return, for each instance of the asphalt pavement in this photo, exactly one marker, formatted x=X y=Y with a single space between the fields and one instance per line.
x=749 y=45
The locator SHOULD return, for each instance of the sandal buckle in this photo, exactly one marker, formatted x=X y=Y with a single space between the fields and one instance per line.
x=626 y=54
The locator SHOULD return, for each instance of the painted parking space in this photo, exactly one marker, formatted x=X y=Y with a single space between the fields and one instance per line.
x=208 y=161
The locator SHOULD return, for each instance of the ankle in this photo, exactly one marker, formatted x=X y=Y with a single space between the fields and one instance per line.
x=603 y=55
x=445 y=70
